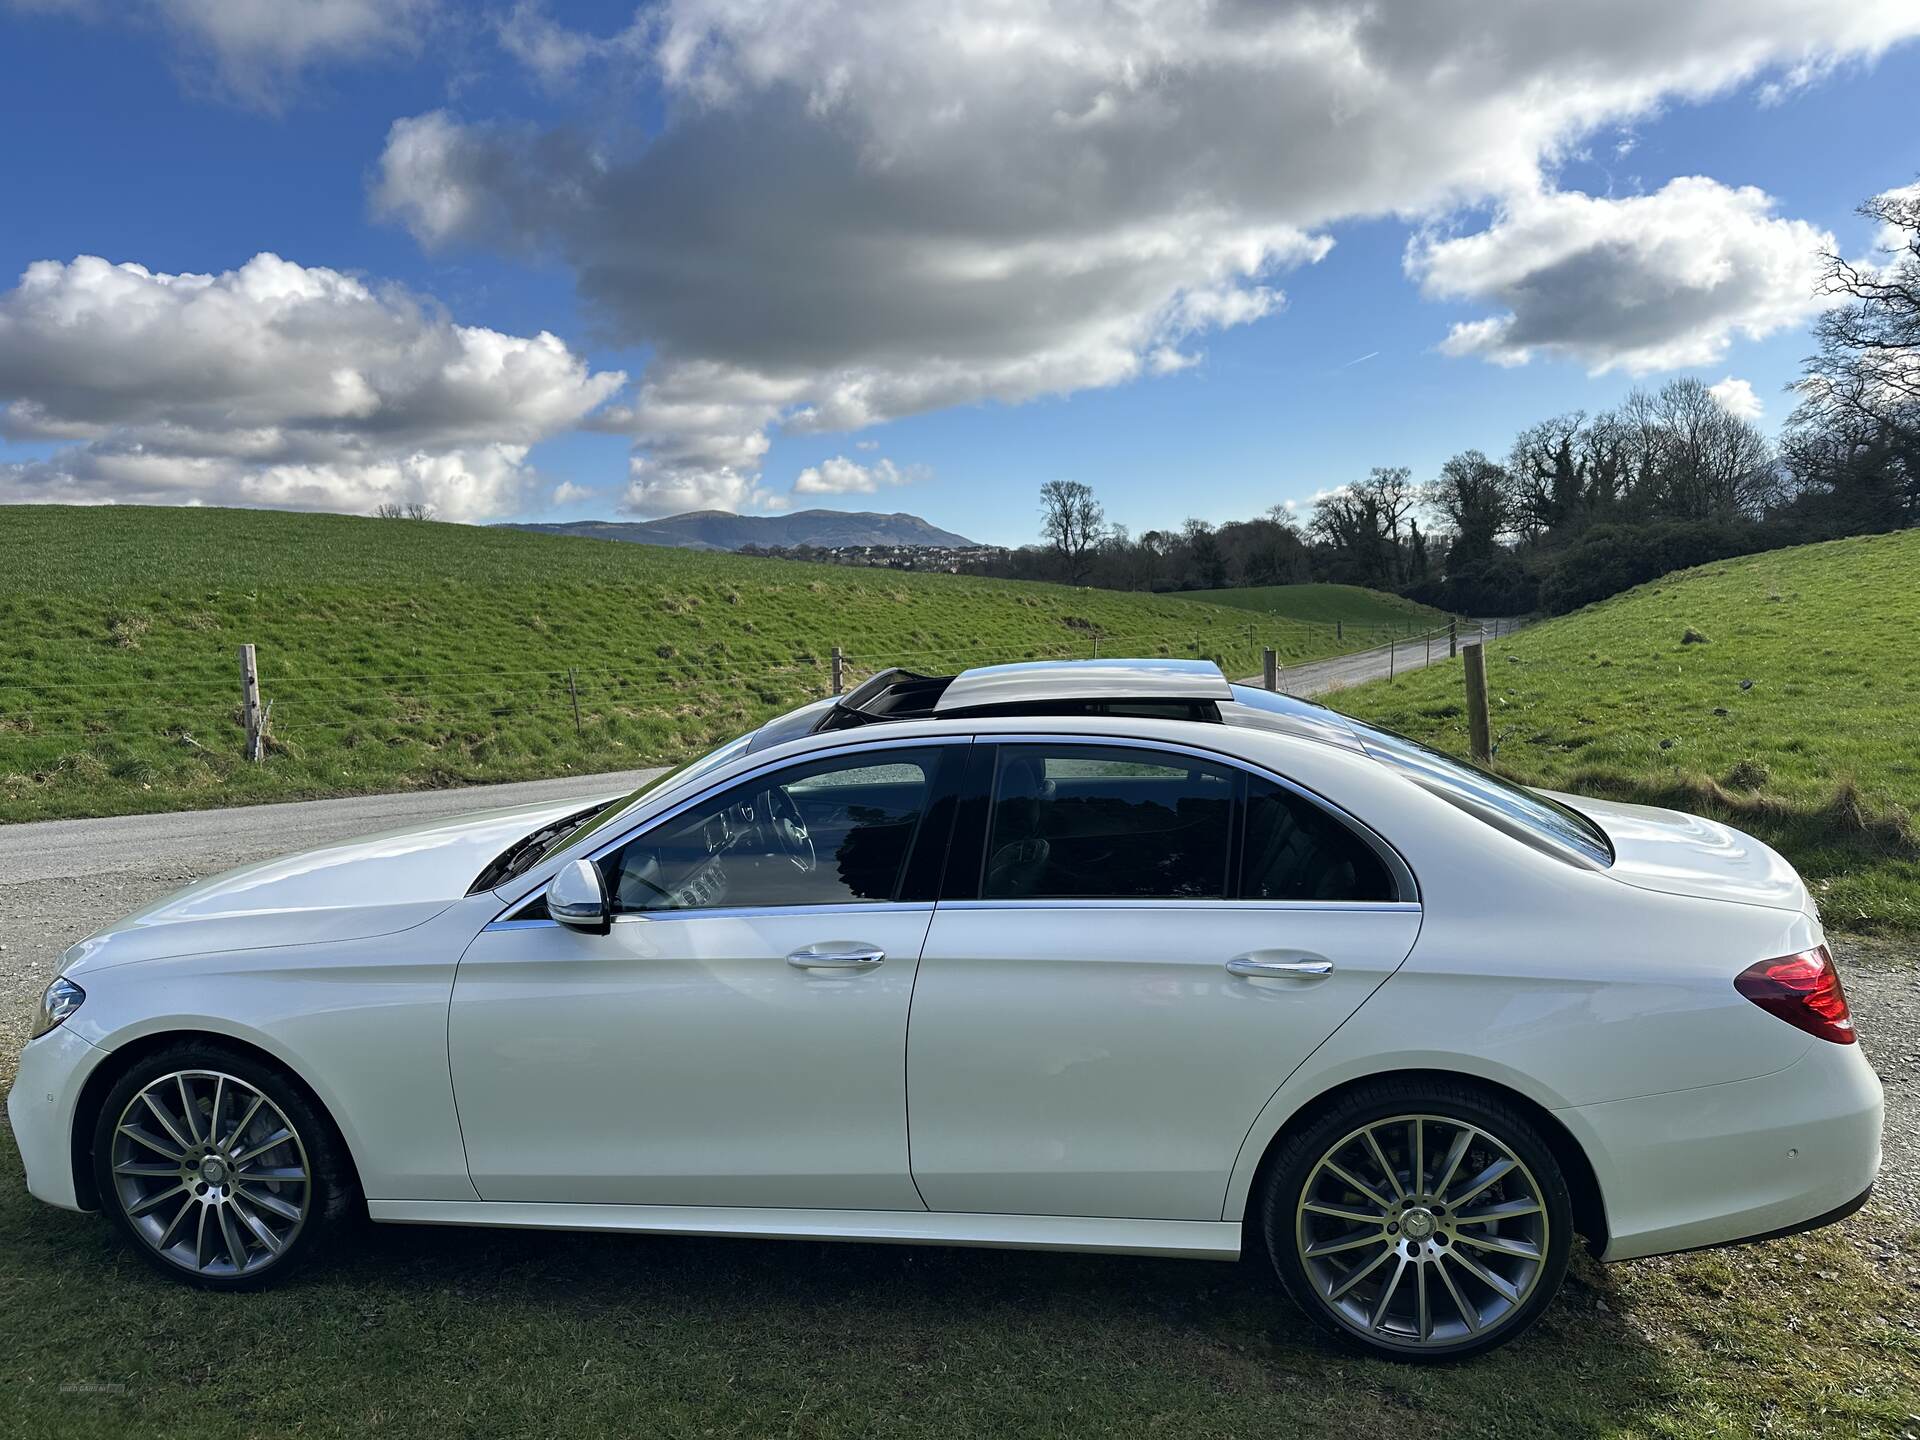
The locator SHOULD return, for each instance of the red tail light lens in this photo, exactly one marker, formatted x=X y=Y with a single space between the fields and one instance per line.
x=1803 y=990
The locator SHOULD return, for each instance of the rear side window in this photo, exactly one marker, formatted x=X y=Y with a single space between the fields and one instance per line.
x=1520 y=811
x=1297 y=851
x=1082 y=822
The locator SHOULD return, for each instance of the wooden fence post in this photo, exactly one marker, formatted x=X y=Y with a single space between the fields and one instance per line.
x=1453 y=637
x=1339 y=632
x=1476 y=668
x=573 y=689
x=250 y=703
x=839 y=671
x=1270 y=668
x=1393 y=647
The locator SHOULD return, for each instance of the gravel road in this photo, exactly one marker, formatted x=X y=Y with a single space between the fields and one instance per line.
x=1320 y=677
x=61 y=880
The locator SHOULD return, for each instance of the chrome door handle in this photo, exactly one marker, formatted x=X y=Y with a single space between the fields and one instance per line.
x=1285 y=965
x=837 y=955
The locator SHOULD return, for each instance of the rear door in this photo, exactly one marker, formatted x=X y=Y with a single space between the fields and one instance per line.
x=1145 y=942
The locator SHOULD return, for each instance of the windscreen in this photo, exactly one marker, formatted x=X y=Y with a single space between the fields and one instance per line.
x=713 y=760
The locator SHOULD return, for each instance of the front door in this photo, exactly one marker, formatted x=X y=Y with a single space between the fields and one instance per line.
x=1157 y=940
x=736 y=1039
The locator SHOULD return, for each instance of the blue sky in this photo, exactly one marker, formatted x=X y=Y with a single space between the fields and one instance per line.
x=883 y=284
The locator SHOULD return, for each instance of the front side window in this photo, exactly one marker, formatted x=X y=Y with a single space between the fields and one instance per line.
x=1107 y=822
x=829 y=832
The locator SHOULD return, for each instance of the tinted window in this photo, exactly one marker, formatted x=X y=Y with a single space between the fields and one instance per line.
x=1099 y=822
x=1480 y=792
x=1297 y=851
x=825 y=833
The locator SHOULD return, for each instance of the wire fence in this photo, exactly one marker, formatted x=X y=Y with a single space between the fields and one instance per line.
x=670 y=706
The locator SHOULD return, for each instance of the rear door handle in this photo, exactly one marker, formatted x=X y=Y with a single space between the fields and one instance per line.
x=1280 y=964
x=837 y=955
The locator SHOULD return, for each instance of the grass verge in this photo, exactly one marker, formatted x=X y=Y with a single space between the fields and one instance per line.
x=1354 y=606
x=448 y=1332
x=1776 y=692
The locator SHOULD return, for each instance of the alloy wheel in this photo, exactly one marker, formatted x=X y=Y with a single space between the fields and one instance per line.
x=210 y=1173
x=1422 y=1232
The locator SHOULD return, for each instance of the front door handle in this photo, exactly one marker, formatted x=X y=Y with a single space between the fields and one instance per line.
x=1280 y=964
x=837 y=955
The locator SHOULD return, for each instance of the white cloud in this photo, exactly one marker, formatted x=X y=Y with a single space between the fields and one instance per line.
x=555 y=53
x=1648 y=282
x=841 y=476
x=857 y=209
x=273 y=384
x=568 y=493
x=1736 y=397
x=258 y=50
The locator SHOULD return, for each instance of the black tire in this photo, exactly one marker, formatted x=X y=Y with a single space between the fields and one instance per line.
x=1287 y=1229
x=327 y=1200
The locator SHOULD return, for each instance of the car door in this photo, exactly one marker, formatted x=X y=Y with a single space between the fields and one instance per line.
x=736 y=1038
x=1147 y=943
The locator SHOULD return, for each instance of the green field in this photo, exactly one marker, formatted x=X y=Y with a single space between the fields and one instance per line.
x=400 y=654
x=1354 y=606
x=1792 y=717
x=504 y=1334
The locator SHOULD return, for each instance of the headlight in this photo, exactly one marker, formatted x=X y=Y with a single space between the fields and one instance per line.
x=63 y=997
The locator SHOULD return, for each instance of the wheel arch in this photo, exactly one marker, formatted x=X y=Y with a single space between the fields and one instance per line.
x=1583 y=1182
x=104 y=1076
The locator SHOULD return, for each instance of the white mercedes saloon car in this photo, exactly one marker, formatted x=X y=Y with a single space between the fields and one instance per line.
x=1104 y=956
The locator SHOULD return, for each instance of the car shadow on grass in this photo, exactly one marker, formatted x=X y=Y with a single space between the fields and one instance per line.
x=418 y=1329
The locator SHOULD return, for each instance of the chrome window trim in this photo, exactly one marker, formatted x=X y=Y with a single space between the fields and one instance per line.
x=737 y=912
x=1406 y=885
x=753 y=912
x=1405 y=882
x=1411 y=907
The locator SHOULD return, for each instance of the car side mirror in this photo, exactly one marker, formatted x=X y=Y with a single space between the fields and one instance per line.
x=577 y=898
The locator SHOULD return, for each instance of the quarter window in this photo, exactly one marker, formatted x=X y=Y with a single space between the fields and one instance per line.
x=831 y=832
x=1107 y=822
x=1297 y=851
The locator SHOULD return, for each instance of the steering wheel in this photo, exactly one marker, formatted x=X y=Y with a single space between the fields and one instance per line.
x=790 y=830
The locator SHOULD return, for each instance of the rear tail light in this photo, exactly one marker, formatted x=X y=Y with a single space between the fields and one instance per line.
x=1803 y=990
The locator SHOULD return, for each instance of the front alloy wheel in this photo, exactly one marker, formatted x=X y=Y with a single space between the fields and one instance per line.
x=210 y=1173
x=1422 y=1230
x=220 y=1168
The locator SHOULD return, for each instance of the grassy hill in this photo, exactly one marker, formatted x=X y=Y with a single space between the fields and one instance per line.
x=400 y=653
x=1320 y=604
x=1793 y=717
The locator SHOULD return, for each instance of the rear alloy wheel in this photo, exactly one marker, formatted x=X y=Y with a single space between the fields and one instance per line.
x=1426 y=1226
x=221 y=1171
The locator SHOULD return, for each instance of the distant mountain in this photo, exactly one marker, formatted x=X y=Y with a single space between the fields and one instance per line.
x=718 y=530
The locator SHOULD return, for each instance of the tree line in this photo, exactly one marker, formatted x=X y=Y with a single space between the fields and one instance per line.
x=1580 y=505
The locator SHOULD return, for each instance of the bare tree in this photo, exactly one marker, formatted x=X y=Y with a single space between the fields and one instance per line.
x=1547 y=474
x=413 y=510
x=1073 y=522
x=1867 y=370
x=1349 y=521
x=1472 y=496
x=1714 y=465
